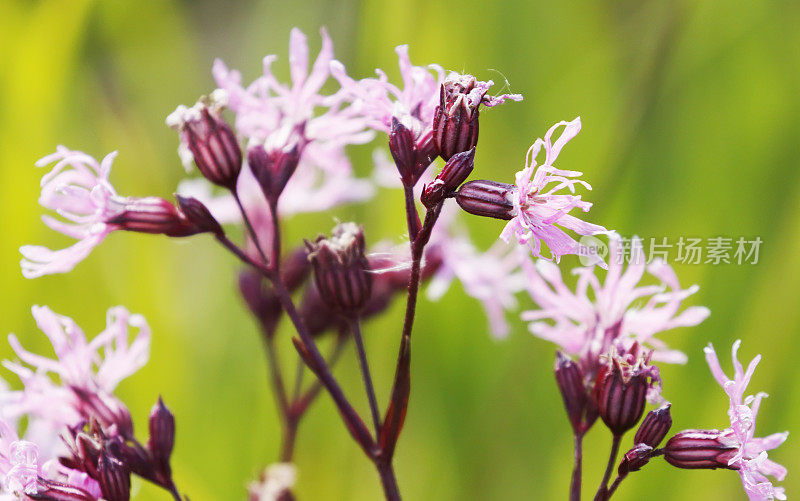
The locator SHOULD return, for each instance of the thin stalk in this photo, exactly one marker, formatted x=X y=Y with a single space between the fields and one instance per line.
x=289 y=438
x=250 y=228
x=275 y=376
x=276 y=235
x=303 y=402
x=298 y=378
x=577 y=472
x=388 y=480
x=612 y=460
x=355 y=328
x=239 y=253
x=354 y=423
x=614 y=486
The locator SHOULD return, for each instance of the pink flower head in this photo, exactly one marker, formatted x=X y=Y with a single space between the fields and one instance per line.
x=617 y=313
x=538 y=209
x=78 y=189
x=379 y=101
x=492 y=277
x=22 y=473
x=281 y=117
x=751 y=459
x=87 y=372
x=19 y=462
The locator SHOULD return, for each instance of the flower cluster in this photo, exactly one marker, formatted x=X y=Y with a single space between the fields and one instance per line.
x=70 y=399
x=285 y=153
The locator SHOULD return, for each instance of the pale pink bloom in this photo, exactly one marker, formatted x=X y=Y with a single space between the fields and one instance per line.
x=379 y=101
x=280 y=116
x=79 y=191
x=618 y=312
x=95 y=366
x=538 y=205
x=751 y=459
x=492 y=277
x=19 y=462
x=22 y=471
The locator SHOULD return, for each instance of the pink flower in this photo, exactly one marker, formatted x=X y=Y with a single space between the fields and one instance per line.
x=22 y=473
x=379 y=101
x=597 y=316
x=78 y=189
x=751 y=459
x=538 y=209
x=19 y=462
x=84 y=373
x=279 y=116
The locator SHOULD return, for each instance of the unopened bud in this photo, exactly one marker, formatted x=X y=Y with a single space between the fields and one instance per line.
x=487 y=198
x=50 y=490
x=151 y=215
x=198 y=214
x=341 y=270
x=455 y=172
x=162 y=435
x=274 y=168
x=210 y=140
x=654 y=427
x=114 y=479
x=411 y=155
x=569 y=378
x=635 y=459
x=105 y=409
x=455 y=122
x=700 y=449
x=621 y=390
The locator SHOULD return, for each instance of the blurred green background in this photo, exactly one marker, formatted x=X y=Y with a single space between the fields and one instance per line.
x=690 y=128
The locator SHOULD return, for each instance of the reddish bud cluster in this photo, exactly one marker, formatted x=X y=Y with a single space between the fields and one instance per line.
x=341 y=270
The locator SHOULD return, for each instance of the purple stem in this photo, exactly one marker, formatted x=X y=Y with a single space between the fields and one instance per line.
x=355 y=328
x=614 y=486
x=577 y=472
x=612 y=460
x=250 y=228
x=354 y=423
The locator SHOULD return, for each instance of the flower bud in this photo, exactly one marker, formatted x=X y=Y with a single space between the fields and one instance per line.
x=570 y=381
x=634 y=459
x=455 y=122
x=105 y=409
x=162 y=436
x=274 y=168
x=210 y=140
x=700 y=449
x=56 y=491
x=654 y=427
x=317 y=315
x=198 y=214
x=454 y=173
x=411 y=155
x=114 y=478
x=151 y=215
x=487 y=198
x=341 y=270
x=621 y=389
